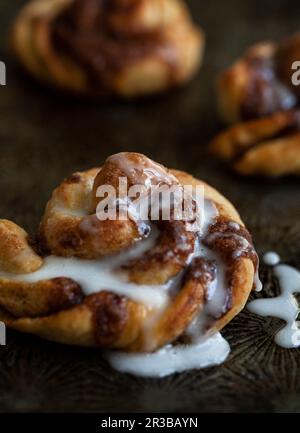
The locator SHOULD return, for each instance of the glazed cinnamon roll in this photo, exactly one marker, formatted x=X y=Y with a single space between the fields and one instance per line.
x=118 y=47
x=131 y=283
x=257 y=93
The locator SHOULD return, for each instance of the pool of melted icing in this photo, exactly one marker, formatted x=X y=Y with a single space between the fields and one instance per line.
x=284 y=306
x=172 y=358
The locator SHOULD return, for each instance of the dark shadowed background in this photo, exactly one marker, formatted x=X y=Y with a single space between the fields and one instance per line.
x=45 y=136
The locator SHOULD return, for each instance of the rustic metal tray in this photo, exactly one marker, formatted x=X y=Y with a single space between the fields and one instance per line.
x=44 y=136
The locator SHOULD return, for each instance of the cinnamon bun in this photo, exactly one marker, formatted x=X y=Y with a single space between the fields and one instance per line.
x=98 y=47
x=257 y=95
x=131 y=284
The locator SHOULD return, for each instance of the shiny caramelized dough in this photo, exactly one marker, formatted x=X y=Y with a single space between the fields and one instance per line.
x=58 y=310
x=100 y=47
x=257 y=95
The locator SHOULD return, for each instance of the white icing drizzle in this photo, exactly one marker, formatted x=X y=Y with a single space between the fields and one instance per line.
x=172 y=358
x=202 y=351
x=234 y=225
x=210 y=212
x=103 y=274
x=154 y=173
x=285 y=305
x=97 y=275
x=271 y=258
x=257 y=283
x=155 y=200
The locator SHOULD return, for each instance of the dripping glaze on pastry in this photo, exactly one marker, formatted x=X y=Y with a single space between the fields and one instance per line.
x=107 y=271
x=283 y=306
x=200 y=351
x=119 y=310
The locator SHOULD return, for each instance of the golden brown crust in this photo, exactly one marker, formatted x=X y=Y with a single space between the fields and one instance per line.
x=56 y=309
x=18 y=257
x=41 y=298
x=65 y=234
x=269 y=146
x=155 y=45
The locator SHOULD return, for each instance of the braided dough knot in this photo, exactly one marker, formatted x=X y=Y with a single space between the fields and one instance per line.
x=129 y=284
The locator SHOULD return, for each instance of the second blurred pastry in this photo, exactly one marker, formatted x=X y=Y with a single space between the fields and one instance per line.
x=257 y=93
x=99 y=47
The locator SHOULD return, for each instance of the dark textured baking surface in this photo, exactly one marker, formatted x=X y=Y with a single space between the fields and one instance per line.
x=45 y=136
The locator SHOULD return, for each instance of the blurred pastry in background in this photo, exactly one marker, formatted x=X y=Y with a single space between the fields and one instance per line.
x=255 y=85
x=258 y=96
x=267 y=146
x=99 y=48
